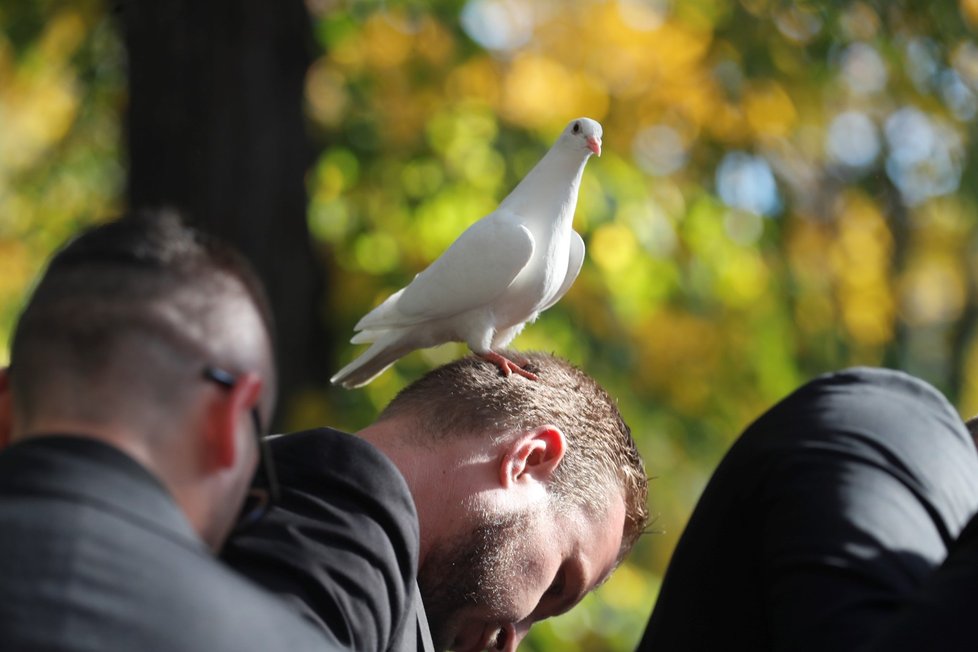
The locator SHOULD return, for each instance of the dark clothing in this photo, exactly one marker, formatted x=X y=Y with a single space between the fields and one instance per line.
x=95 y=556
x=342 y=543
x=822 y=520
x=941 y=615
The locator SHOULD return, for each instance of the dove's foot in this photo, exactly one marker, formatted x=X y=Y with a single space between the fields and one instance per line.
x=507 y=366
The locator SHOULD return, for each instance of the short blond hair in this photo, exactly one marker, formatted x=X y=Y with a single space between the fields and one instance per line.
x=471 y=397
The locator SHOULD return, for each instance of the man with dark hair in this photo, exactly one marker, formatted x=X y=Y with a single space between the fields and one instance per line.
x=824 y=521
x=140 y=371
x=528 y=494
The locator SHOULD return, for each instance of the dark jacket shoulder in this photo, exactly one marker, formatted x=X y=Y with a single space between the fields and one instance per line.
x=343 y=542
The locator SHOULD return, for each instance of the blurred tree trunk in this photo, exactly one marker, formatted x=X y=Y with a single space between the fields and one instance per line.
x=216 y=129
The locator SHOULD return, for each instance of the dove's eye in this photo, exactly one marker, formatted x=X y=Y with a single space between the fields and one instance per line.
x=577 y=128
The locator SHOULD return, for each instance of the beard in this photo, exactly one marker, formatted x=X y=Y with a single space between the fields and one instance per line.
x=472 y=570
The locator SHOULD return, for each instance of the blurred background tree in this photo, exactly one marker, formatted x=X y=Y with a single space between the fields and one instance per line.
x=784 y=190
x=215 y=129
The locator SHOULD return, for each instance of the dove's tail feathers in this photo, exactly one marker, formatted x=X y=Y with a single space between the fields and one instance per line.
x=382 y=314
x=372 y=362
x=366 y=337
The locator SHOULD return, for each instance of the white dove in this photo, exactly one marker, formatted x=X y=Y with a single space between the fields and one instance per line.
x=502 y=272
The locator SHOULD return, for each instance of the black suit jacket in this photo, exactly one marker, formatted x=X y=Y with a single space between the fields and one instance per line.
x=343 y=542
x=822 y=521
x=95 y=556
x=941 y=616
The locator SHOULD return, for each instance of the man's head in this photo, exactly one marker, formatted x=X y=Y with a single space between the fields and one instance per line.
x=114 y=343
x=529 y=493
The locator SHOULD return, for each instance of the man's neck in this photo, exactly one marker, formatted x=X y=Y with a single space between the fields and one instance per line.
x=121 y=438
x=442 y=477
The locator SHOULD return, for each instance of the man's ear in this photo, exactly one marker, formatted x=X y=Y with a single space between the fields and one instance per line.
x=532 y=456
x=227 y=411
x=6 y=409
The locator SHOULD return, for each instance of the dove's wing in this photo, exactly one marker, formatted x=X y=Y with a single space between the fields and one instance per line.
x=574 y=263
x=472 y=272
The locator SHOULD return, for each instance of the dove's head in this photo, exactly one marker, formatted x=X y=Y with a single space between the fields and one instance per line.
x=583 y=134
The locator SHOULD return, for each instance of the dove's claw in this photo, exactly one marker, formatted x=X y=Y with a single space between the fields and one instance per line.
x=520 y=362
x=507 y=366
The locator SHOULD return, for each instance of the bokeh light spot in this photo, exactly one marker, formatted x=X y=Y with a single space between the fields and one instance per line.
x=746 y=182
x=852 y=140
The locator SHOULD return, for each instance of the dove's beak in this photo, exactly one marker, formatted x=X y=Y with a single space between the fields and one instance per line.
x=594 y=144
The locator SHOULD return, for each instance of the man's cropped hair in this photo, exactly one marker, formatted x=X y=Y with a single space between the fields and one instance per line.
x=470 y=397
x=123 y=292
